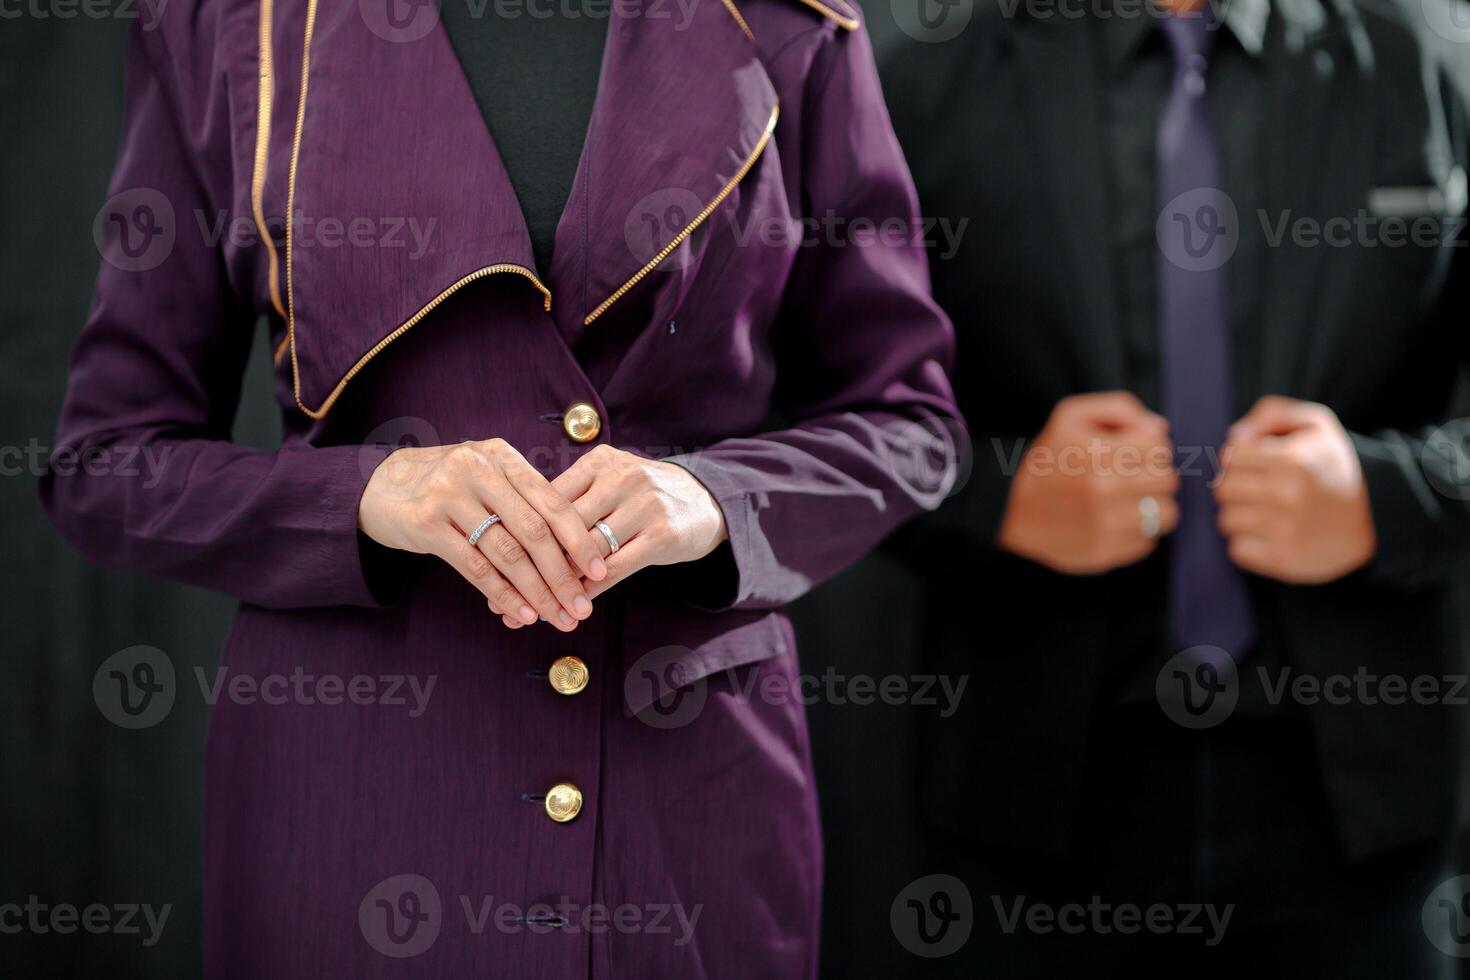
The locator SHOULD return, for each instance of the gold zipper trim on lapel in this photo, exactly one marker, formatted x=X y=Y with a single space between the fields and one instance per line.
x=699 y=219
x=735 y=12
x=428 y=307
x=291 y=207
x=845 y=21
x=266 y=93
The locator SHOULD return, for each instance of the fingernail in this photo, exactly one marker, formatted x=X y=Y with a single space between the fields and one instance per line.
x=583 y=607
x=599 y=568
x=528 y=615
x=566 y=620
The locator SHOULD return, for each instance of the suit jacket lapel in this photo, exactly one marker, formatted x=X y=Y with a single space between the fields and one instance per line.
x=1057 y=59
x=1315 y=172
x=682 y=111
x=387 y=130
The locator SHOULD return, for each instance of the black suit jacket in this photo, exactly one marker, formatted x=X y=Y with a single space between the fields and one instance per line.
x=1003 y=126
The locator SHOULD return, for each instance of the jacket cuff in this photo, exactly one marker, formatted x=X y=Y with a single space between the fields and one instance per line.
x=367 y=573
x=722 y=579
x=1403 y=506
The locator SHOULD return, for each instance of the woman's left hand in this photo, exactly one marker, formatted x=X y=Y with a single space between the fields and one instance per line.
x=659 y=513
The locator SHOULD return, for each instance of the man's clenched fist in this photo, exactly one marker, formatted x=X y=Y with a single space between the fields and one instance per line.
x=1292 y=499
x=1078 y=504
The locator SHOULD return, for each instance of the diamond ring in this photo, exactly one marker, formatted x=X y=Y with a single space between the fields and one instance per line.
x=485 y=525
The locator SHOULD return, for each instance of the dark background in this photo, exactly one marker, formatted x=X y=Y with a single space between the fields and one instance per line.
x=94 y=813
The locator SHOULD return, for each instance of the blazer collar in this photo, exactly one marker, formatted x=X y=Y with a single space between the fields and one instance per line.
x=1059 y=63
x=1131 y=26
x=387 y=129
x=1316 y=171
x=1319 y=60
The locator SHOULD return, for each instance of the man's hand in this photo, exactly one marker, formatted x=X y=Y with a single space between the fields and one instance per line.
x=1076 y=506
x=1293 y=503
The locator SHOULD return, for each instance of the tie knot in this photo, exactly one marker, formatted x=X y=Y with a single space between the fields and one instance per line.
x=1191 y=36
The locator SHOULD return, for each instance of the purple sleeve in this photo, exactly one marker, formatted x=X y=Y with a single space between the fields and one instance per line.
x=862 y=370
x=143 y=475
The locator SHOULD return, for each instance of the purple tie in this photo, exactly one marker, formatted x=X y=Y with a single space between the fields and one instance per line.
x=1209 y=601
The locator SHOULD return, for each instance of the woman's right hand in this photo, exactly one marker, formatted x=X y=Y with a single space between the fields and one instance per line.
x=428 y=500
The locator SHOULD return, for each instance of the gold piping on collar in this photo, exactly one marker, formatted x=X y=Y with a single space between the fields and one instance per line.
x=326 y=406
x=407 y=325
x=847 y=21
x=735 y=12
x=266 y=92
x=699 y=219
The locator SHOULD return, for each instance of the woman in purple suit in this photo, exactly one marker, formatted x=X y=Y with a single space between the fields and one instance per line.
x=645 y=290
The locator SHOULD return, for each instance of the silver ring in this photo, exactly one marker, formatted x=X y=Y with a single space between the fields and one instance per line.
x=1150 y=515
x=485 y=525
x=612 y=539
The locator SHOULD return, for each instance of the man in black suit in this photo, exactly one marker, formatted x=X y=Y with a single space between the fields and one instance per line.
x=1213 y=305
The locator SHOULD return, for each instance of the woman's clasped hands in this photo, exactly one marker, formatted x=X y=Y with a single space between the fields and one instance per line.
x=545 y=558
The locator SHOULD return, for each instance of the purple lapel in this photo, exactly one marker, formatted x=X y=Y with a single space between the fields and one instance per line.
x=681 y=110
x=388 y=133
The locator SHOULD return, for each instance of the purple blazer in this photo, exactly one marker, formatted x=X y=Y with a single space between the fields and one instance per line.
x=376 y=784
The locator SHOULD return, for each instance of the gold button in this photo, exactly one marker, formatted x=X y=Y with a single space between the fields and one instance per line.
x=563 y=802
x=568 y=675
x=581 y=422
